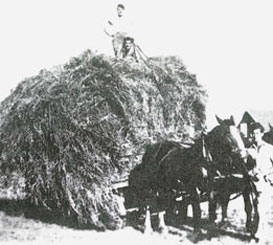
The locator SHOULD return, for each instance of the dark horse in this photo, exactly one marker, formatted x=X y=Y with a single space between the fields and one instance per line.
x=209 y=167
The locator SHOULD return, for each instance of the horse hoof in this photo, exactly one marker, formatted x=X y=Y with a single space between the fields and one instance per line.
x=211 y=232
x=163 y=230
x=249 y=229
x=196 y=236
x=253 y=239
x=148 y=231
x=223 y=223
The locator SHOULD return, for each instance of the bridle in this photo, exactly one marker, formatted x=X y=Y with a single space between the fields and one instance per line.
x=209 y=160
x=207 y=155
x=234 y=151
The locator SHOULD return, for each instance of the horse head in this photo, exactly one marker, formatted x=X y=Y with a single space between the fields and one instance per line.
x=225 y=143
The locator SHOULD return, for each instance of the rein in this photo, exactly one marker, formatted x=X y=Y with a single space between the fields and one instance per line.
x=206 y=153
x=207 y=156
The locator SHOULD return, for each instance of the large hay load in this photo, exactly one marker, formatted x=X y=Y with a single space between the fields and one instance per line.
x=71 y=130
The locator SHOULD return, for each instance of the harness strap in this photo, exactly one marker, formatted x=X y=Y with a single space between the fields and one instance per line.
x=165 y=156
x=205 y=150
x=236 y=196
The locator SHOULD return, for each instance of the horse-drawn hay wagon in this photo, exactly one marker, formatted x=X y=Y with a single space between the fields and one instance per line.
x=172 y=176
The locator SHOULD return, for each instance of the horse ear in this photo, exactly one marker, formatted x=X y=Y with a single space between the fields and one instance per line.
x=219 y=120
x=232 y=120
x=270 y=126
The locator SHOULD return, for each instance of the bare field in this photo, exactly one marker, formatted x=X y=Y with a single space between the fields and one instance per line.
x=18 y=229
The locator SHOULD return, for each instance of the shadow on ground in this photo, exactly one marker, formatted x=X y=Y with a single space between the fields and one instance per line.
x=26 y=209
x=134 y=220
x=208 y=230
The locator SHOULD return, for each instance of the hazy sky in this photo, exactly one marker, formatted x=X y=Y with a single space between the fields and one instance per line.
x=227 y=44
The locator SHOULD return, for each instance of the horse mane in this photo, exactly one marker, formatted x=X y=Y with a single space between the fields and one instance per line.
x=214 y=138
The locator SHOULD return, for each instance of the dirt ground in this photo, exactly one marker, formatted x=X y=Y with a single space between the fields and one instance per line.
x=18 y=229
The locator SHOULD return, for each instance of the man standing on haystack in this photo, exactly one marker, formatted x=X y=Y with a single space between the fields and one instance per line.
x=118 y=28
x=262 y=153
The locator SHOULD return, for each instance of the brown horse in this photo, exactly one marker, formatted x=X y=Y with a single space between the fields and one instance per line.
x=208 y=167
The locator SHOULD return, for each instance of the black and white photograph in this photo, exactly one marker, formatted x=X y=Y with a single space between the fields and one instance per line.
x=136 y=122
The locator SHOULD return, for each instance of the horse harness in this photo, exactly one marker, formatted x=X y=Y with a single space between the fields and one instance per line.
x=208 y=162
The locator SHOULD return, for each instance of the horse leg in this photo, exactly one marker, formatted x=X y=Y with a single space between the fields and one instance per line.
x=224 y=200
x=161 y=223
x=248 y=210
x=211 y=197
x=163 y=200
x=212 y=206
x=183 y=211
x=172 y=211
x=148 y=222
x=195 y=202
x=196 y=209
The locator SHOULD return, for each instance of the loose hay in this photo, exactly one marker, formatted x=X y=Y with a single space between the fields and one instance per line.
x=72 y=130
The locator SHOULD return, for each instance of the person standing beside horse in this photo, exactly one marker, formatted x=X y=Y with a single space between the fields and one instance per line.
x=262 y=153
x=118 y=28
